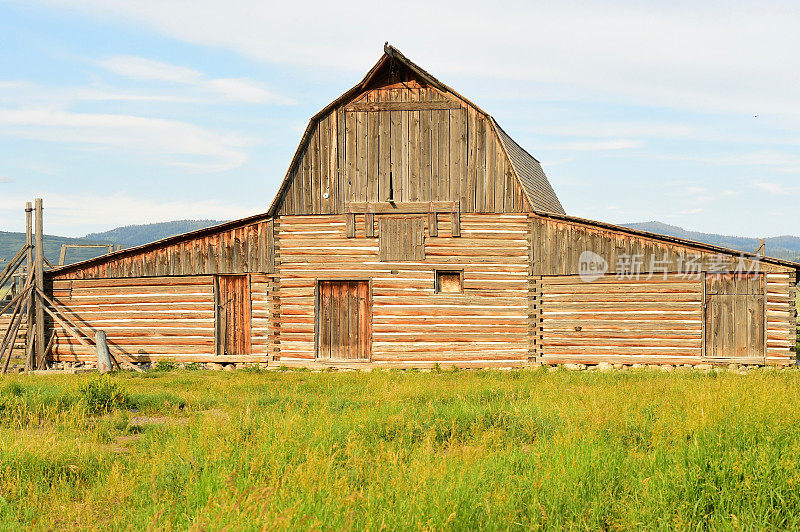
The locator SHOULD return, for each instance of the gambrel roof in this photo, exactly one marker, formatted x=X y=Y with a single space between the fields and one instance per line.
x=529 y=173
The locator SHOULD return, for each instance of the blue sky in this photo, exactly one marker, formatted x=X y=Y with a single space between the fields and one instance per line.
x=134 y=112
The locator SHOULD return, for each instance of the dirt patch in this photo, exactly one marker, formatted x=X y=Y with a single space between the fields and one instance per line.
x=120 y=445
x=141 y=421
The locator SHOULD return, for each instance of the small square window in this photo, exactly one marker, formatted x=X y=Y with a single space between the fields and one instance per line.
x=449 y=281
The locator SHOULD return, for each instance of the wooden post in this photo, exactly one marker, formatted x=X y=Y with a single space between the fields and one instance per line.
x=103 y=357
x=29 y=336
x=39 y=283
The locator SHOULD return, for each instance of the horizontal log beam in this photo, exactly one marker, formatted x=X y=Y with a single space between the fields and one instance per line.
x=438 y=105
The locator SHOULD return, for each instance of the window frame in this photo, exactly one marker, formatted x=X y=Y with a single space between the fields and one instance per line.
x=436 y=280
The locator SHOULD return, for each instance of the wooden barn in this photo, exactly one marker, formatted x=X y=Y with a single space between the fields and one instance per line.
x=411 y=230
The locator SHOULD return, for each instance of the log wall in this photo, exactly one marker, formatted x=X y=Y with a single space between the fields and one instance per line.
x=621 y=321
x=522 y=296
x=483 y=326
x=18 y=353
x=781 y=317
x=153 y=318
x=646 y=321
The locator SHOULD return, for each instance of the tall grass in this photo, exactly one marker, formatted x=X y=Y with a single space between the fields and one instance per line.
x=398 y=450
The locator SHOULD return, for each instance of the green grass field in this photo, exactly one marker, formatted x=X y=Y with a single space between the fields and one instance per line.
x=401 y=450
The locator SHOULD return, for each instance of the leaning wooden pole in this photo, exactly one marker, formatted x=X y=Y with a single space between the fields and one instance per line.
x=39 y=282
x=29 y=334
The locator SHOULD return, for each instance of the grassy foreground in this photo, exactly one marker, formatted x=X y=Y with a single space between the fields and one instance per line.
x=400 y=450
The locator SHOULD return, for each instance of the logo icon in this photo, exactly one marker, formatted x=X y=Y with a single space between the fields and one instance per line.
x=591 y=266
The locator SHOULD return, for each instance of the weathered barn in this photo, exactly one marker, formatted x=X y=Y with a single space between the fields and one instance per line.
x=410 y=229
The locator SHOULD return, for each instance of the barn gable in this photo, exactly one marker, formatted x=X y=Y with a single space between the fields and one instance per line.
x=401 y=135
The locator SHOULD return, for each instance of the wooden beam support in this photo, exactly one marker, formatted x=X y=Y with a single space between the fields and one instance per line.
x=433 y=221
x=12 y=266
x=73 y=329
x=369 y=225
x=437 y=105
x=350 y=228
x=402 y=207
x=456 y=220
x=39 y=283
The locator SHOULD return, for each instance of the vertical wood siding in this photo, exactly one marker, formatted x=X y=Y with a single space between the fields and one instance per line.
x=401 y=239
x=734 y=315
x=557 y=247
x=412 y=325
x=446 y=154
x=245 y=249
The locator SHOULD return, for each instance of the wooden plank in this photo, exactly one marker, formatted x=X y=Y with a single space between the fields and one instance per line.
x=425 y=153
x=373 y=156
x=369 y=225
x=443 y=156
x=350 y=225
x=384 y=155
x=480 y=165
x=471 y=159
x=352 y=315
x=396 y=162
x=414 y=150
x=455 y=222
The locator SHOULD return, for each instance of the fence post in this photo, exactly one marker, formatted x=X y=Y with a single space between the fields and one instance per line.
x=103 y=357
x=30 y=319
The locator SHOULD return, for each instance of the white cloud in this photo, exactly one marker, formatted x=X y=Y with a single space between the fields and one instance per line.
x=788 y=163
x=615 y=129
x=79 y=214
x=140 y=68
x=173 y=142
x=234 y=89
x=556 y=162
x=772 y=188
x=708 y=56
x=5 y=179
x=599 y=145
x=13 y=85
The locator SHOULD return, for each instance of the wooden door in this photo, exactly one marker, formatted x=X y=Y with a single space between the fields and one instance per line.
x=343 y=320
x=232 y=328
x=734 y=315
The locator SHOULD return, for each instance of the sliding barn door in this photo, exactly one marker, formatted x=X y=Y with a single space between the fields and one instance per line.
x=734 y=316
x=232 y=295
x=343 y=320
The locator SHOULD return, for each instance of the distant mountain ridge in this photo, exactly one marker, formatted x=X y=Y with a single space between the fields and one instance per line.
x=131 y=236
x=127 y=237
x=781 y=247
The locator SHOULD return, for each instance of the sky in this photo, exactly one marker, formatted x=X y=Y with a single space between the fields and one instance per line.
x=128 y=112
